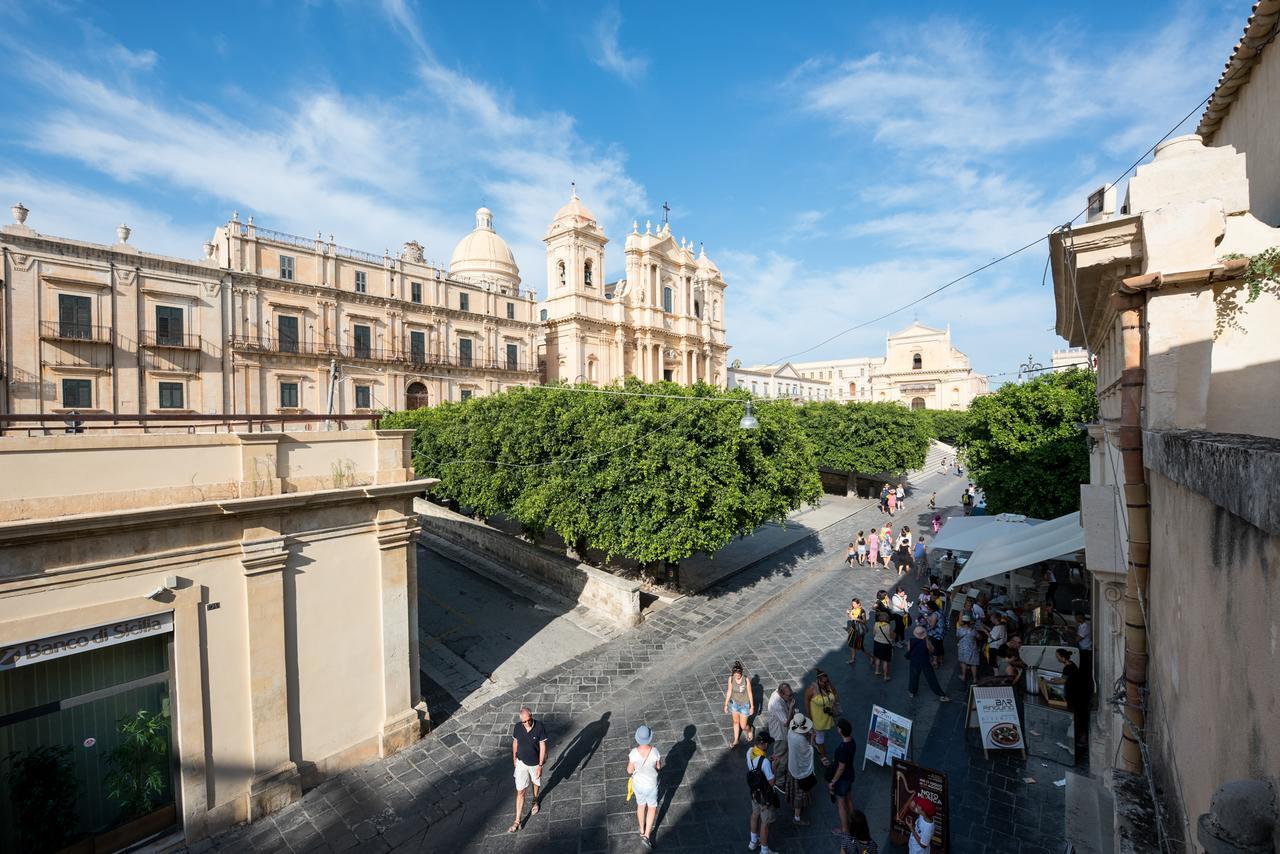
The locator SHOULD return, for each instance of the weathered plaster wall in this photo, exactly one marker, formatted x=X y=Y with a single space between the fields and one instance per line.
x=1253 y=126
x=1215 y=638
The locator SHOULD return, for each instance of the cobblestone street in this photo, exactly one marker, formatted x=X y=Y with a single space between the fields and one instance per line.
x=782 y=617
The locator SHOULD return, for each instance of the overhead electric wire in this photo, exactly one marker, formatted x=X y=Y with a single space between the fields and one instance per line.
x=1026 y=246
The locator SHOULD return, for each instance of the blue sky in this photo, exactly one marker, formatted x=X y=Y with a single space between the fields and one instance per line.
x=836 y=161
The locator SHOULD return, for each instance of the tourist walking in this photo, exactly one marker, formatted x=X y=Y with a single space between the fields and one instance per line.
x=892 y=499
x=739 y=702
x=919 y=654
x=882 y=644
x=937 y=522
x=841 y=785
x=857 y=641
x=886 y=544
x=873 y=547
x=851 y=554
x=933 y=501
x=904 y=552
x=643 y=764
x=884 y=499
x=782 y=706
x=856 y=835
x=966 y=501
x=967 y=649
x=764 y=800
x=528 y=754
x=862 y=549
x=823 y=703
x=921 y=556
x=800 y=776
x=901 y=492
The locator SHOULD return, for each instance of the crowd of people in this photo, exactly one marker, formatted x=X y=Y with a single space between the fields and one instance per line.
x=799 y=735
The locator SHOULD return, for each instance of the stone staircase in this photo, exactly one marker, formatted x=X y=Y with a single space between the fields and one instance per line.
x=938 y=451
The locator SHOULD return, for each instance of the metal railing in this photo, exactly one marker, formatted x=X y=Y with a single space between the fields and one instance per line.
x=180 y=341
x=287 y=346
x=420 y=360
x=62 y=331
x=45 y=424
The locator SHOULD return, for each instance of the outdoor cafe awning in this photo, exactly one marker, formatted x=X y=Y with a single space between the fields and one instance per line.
x=966 y=533
x=1023 y=546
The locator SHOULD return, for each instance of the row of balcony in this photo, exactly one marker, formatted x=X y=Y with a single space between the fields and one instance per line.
x=58 y=330
x=477 y=358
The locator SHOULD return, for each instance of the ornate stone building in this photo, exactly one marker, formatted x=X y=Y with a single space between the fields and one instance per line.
x=920 y=369
x=258 y=325
x=664 y=321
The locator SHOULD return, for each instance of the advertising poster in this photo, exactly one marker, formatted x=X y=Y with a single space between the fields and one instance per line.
x=995 y=712
x=888 y=737
x=909 y=782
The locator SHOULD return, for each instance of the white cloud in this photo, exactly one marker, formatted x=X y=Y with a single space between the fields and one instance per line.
x=606 y=51
x=341 y=162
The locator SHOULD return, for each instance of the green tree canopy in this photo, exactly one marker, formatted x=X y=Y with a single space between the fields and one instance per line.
x=946 y=425
x=870 y=438
x=644 y=478
x=1023 y=446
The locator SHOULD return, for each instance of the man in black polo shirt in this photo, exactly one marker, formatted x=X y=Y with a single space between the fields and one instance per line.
x=528 y=753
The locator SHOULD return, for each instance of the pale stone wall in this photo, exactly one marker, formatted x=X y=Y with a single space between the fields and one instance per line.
x=295 y=622
x=1253 y=126
x=1212 y=627
x=614 y=598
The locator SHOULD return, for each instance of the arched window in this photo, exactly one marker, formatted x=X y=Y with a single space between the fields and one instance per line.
x=591 y=369
x=916 y=362
x=853 y=389
x=715 y=310
x=542 y=315
x=668 y=299
x=917 y=403
x=560 y=266
x=586 y=274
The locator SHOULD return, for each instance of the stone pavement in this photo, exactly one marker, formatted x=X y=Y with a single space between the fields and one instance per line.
x=452 y=791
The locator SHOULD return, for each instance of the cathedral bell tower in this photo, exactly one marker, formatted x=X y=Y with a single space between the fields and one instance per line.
x=575 y=252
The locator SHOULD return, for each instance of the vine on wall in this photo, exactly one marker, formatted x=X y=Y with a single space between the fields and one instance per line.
x=1261 y=275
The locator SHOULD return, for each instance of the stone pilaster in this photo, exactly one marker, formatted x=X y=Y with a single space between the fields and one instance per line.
x=259 y=464
x=275 y=776
x=403 y=711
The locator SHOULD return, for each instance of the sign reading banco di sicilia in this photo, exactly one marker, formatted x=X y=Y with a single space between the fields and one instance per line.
x=71 y=643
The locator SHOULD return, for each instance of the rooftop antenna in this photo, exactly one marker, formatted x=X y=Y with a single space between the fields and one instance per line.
x=666 y=213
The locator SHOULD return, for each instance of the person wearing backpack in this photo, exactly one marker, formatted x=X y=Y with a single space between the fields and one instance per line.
x=967 y=501
x=764 y=800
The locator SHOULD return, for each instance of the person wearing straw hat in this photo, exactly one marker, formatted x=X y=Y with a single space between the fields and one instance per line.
x=643 y=764
x=800 y=776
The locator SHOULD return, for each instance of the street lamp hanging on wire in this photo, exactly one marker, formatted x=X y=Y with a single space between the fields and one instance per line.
x=1030 y=366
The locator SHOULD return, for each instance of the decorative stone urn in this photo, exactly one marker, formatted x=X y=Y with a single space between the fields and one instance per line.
x=123 y=231
x=208 y=248
x=19 y=213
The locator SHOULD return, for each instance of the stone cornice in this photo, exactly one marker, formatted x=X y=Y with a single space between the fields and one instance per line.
x=35 y=242
x=13 y=533
x=398 y=533
x=263 y=556
x=1237 y=472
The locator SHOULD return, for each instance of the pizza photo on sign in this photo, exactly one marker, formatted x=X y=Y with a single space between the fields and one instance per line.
x=1005 y=735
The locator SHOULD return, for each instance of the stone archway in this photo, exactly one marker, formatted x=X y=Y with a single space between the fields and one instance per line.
x=416 y=396
x=917 y=403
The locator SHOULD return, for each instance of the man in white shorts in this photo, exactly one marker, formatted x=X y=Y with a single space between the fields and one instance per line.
x=528 y=753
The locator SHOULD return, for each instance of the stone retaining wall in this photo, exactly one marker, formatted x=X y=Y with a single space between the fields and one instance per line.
x=612 y=597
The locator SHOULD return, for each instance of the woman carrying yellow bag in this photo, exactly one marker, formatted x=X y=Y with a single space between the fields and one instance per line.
x=643 y=764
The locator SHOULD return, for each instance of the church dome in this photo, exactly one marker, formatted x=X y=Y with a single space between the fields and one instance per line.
x=574 y=214
x=483 y=256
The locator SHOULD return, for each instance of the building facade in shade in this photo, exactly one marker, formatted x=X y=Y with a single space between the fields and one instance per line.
x=920 y=369
x=1179 y=515
x=255 y=591
x=664 y=321
x=256 y=325
x=779 y=381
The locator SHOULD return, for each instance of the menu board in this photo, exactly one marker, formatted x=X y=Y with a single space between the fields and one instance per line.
x=911 y=781
x=888 y=737
x=994 y=712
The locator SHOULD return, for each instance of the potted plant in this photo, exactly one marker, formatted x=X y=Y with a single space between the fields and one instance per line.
x=137 y=779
